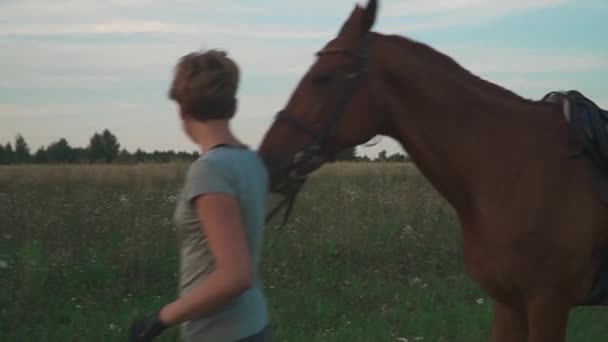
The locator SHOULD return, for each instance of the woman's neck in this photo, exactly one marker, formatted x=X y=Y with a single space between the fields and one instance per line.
x=212 y=133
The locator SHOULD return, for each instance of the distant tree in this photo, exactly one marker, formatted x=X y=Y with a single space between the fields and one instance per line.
x=363 y=158
x=9 y=154
x=60 y=151
x=96 y=149
x=396 y=157
x=348 y=154
x=186 y=156
x=41 y=157
x=22 y=151
x=139 y=156
x=124 y=157
x=382 y=156
x=103 y=147
x=111 y=146
x=160 y=156
x=2 y=155
x=80 y=155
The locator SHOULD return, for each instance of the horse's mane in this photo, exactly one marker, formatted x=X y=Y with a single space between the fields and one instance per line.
x=430 y=53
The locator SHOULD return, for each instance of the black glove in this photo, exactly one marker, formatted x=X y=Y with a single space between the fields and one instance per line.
x=147 y=328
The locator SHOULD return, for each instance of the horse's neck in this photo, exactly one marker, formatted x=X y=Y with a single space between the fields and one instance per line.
x=458 y=130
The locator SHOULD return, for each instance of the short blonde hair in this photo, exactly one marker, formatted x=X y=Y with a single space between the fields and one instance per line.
x=205 y=85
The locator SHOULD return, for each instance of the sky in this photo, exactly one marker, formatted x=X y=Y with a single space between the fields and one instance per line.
x=70 y=68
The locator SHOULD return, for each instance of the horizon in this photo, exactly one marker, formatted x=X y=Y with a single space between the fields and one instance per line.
x=78 y=67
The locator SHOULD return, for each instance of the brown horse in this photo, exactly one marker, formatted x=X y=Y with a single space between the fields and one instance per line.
x=532 y=226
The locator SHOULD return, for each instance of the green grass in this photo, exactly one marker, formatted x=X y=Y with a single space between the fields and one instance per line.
x=372 y=253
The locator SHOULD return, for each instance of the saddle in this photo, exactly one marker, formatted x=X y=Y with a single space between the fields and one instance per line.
x=588 y=124
x=588 y=127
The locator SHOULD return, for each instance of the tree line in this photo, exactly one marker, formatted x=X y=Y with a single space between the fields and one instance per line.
x=104 y=148
x=383 y=156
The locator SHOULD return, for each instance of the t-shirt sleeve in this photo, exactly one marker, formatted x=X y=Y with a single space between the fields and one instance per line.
x=206 y=177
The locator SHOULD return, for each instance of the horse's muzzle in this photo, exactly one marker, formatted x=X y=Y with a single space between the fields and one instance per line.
x=290 y=171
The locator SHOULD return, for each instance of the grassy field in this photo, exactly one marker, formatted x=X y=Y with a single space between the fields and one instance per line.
x=371 y=253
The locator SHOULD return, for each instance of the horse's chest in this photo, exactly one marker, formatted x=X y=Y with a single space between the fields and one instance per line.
x=495 y=272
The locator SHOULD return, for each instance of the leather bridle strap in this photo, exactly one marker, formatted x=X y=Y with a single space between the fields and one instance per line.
x=320 y=140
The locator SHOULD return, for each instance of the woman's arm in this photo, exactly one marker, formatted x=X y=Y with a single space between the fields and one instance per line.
x=223 y=226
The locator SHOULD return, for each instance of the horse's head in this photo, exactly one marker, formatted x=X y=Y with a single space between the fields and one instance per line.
x=334 y=106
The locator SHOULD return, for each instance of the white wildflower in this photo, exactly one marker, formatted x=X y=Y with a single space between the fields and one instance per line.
x=479 y=301
x=3 y=264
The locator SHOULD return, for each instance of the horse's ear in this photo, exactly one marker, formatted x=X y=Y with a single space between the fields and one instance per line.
x=349 y=25
x=369 y=16
x=361 y=20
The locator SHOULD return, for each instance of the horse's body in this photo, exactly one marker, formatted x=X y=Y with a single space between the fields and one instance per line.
x=533 y=230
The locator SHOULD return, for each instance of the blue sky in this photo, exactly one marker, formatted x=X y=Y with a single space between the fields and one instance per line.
x=72 y=67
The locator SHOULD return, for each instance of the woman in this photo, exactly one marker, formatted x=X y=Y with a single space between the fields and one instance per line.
x=219 y=215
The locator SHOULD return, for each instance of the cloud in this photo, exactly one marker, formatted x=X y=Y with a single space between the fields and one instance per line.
x=138 y=26
x=73 y=46
x=263 y=105
x=423 y=15
x=531 y=84
x=64 y=65
x=41 y=9
x=57 y=65
x=33 y=111
x=495 y=60
x=61 y=11
x=135 y=123
x=239 y=19
x=71 y=17
x=475 y=7
x=36 y=64
x=7 y=110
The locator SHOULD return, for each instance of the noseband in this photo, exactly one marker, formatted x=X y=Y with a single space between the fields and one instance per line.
x=311 y=154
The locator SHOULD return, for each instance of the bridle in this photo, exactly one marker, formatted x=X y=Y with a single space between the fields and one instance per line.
x=321 y=138
x=311 y=153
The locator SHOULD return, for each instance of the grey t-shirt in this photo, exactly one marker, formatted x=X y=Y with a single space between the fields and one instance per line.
x=240 y=173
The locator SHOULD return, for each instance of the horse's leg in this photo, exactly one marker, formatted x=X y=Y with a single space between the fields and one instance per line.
x=548 y=318
x=510 y=324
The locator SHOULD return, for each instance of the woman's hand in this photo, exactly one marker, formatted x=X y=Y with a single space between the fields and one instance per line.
x=147 y=328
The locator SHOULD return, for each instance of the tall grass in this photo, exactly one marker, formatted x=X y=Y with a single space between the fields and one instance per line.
x=371 y=253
